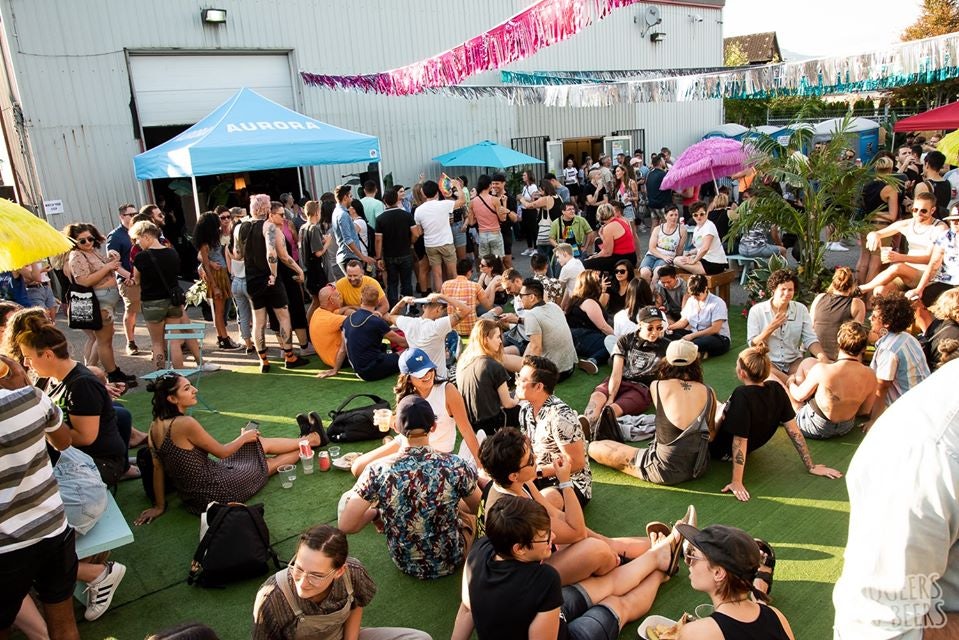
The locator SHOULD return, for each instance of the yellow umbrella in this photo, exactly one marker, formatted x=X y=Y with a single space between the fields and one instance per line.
x=949 y=145
x=25 y=238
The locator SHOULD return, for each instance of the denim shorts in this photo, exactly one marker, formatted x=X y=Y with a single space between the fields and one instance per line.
x=586 y=621
x=109 y=299
x=651 y=262
x=817 y=427
x=629 y=212
x=459 y=235
x=83 y=493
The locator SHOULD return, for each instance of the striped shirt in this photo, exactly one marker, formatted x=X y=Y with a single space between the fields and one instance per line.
x=30 y=504
x=899 y=359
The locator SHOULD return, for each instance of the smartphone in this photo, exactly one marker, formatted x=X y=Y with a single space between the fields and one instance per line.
x=252 y=425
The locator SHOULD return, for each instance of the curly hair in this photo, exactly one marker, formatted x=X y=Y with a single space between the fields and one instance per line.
x=781 y=276
x=946 y=306
x=207 y=231
x=895 y=311
x=260 y=205
x=696 y=285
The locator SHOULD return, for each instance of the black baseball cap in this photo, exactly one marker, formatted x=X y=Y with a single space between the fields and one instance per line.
x=648 y=314
x=731 y=548
x=412 y=413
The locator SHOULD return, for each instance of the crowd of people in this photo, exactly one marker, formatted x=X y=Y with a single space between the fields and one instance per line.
x=420 y=286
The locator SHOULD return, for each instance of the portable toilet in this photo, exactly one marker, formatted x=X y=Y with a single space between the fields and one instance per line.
x=863 y=133
x=728 y=130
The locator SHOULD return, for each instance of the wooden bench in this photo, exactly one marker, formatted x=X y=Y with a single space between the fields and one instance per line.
x=110 y=532
x=717 y=284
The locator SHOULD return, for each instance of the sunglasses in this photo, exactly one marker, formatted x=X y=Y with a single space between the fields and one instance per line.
x=126 y=215
x=623 y=271
x=85 y=240
x=699 y=215
x=918 y=210
x=224 y=217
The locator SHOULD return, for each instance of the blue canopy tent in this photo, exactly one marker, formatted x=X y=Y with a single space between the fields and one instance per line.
x=249 y=132
x=485 y=154
x=728 y=130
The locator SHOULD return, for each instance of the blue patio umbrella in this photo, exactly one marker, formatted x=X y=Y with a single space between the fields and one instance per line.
x=485 y=154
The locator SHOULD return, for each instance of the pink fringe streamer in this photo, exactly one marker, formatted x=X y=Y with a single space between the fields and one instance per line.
x=543 y=24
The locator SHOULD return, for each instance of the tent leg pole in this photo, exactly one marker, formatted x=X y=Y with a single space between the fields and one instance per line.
x=196 y=198
x=299 y=181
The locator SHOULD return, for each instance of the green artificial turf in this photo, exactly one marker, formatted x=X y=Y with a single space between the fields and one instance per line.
x=803 y=517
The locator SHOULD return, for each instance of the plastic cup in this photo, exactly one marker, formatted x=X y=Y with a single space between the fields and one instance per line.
x=307 y=462
x=381 y=418
x=287 y=475
x=703 y=611
x=323 y=460
x=334 y=452
x=884 y=254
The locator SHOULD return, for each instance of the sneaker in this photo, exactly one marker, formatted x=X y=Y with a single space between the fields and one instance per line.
x=264 y=366
x=303 y=423
x=227 y=344
x=208 y=367
x=835 y=246
x=587 y=428
x=118 y=376
x=133 y=349
x=100 y=594
x=309 y=351
x=643 y=228
x=316 y=426
x=296 y=362
x=250 y=350
x=588 y=365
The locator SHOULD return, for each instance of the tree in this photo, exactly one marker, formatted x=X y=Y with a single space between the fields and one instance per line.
x=826 y=193
x=734 y=55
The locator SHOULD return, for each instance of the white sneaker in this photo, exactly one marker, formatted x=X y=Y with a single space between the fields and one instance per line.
x=209 y=366
x=100 y=594
x=835 y=246
x=309 y=351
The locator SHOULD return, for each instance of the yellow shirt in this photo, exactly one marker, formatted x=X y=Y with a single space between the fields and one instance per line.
x=351 y=294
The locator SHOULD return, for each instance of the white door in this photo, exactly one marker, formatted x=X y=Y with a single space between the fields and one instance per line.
x=182 y=89
x=615 y=145
x=554 y=158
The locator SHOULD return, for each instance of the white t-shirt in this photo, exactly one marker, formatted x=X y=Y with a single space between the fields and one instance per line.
x=716 y=255
x=569 y=272
x=434 y=216
x=428 y=335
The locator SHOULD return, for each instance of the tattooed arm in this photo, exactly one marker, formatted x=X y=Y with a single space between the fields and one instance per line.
x=800 y=443
x=269 y=233
x=736 y=486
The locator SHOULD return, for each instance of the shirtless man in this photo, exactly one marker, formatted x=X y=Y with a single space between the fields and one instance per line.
x=832 y=394
x=921 y=231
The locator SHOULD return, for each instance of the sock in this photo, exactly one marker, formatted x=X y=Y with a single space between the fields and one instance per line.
x=103 y=574
x=288 y=355
x=262 y=355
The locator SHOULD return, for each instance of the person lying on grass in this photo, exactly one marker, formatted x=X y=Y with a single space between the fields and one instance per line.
x=579 y=552
x=181 y=449
x=751 y=416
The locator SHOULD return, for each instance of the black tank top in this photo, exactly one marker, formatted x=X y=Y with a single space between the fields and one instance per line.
x=577 y=318
x=765 y=627
x=254 y=252
x=872 y=197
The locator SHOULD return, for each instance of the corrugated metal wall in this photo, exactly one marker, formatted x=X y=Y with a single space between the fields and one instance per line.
x=71 y=67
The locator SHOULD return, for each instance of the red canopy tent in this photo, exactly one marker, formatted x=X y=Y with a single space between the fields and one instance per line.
x=946 y=117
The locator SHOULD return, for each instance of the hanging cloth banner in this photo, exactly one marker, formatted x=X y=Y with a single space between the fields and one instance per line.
x=541 y=25
x=540 y=78
x=911 y=63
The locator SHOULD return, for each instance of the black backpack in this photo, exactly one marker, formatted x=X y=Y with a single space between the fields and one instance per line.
x=354 y=425
x=236 y=546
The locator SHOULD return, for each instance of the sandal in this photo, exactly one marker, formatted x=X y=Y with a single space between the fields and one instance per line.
x=676 y=551
x=657 y=527
x=767 y=564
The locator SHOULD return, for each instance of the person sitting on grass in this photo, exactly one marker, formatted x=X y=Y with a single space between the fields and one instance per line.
x=678 y=453
x=784 y=326
x=482 y=376
x=581 y=552
x=835 y=306
x=547 y=333
x=429 y=330
x=181 y=450
x=636 y=360
x=671 y=293
x=831 y=396
x=552 y=426
x=363 y=334
x=704 y=320
x=751 y=417
x=899 y=361
x=425 y=499
x=588 y=321
x=323 y=591
x=509 y=591
x=735 y=571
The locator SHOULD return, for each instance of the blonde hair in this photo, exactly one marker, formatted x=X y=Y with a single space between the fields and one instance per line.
x=260 y=205
x=144 y=228
x=605 y=212
x=947 y=306
x=479 y=343
x=754 y=362
x=721 y=201
x=843 y=282
x=883 y=164
x=565 y=248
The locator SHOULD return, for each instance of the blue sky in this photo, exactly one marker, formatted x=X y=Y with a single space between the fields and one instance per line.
x=823 y=27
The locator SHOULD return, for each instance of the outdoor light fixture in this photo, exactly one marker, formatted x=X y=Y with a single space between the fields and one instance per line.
x=214 y=16
x=239 y=183
x=657 y=36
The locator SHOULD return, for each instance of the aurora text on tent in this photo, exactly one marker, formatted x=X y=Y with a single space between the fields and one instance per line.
x=269 y=126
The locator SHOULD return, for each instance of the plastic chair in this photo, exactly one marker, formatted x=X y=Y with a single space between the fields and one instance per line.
x=175 y=332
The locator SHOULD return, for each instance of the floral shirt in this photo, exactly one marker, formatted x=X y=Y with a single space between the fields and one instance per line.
x=418 y=493
x=949 y=271
x=556 y=424
x=553 y=289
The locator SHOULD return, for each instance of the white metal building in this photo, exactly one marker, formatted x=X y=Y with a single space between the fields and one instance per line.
x=83 y=84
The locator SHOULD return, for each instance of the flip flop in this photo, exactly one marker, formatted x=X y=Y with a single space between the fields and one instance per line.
x=768 y=565
x=657 y=527
x=676 y=551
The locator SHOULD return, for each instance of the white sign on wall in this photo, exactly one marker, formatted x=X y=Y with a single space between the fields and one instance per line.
x=52 y=207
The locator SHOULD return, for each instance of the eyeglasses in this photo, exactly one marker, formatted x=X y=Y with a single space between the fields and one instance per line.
x=85 y=240
x=918 y=210
x=315 y=579
x=546 y=540
x=126 y=215
x=530 y=461
x=690 y=559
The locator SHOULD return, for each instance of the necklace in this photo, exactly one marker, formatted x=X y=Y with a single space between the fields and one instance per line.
x=732 y=601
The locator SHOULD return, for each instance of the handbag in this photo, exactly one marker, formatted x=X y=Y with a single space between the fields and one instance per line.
x=354 y=425
x=234 y=545
x=83 y=311
x=543 y=227
x=177 y=295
